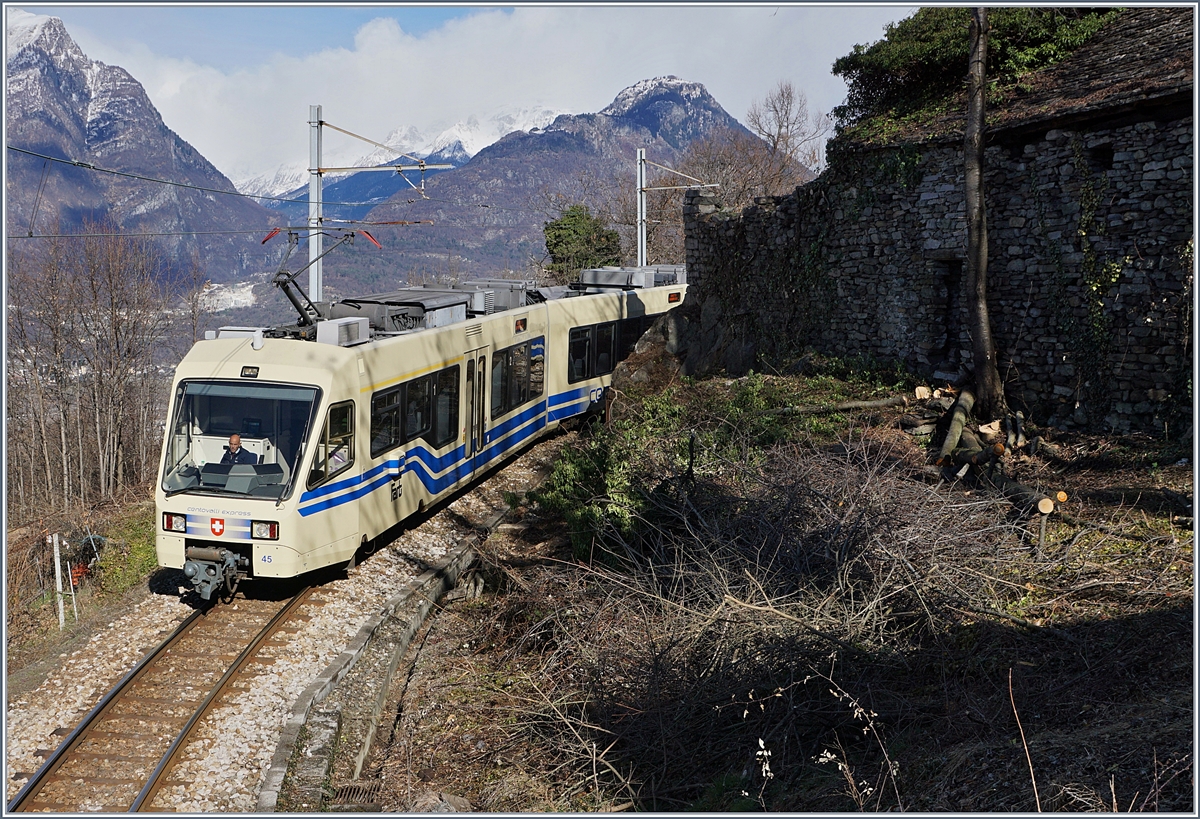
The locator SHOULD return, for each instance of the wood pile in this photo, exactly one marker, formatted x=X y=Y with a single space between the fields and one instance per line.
x=975 y=452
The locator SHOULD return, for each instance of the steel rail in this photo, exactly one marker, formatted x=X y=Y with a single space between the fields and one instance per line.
x=146 y=796
x=72 y=740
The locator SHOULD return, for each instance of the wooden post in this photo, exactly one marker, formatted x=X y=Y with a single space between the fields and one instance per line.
x=71 y=579
x=62 y=621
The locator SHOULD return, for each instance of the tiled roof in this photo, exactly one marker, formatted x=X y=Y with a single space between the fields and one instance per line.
x=1141 y=60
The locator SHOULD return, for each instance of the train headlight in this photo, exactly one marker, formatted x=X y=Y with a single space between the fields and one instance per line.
x=264 y=530
x=174 y=523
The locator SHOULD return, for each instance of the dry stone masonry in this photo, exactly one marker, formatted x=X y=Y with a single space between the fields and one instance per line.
x=1090 y=232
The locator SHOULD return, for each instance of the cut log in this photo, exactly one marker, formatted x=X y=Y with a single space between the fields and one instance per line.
x=1039 y=445
x=958 y=419
x=990 y=433
x=969 y=440
x=1022 y=496
x=977 y=456
x=895 y=401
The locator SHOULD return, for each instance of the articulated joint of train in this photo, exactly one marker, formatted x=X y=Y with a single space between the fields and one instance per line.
x=215 y=568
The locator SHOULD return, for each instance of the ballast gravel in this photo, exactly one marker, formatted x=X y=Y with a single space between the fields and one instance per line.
x=223 y=768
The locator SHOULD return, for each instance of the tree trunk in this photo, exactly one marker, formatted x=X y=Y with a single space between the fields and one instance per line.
x=66 y=463
x=958 y=419
x=40 y=412
x=989 y=390
x=79 y=445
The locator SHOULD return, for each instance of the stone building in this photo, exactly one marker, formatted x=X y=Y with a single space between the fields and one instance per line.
x=1089 y=192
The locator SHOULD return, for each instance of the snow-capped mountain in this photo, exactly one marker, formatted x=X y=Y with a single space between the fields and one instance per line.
x=63 y=104
x=455 y=145
x=643 y=91
x=488 y=214
x=283 y=179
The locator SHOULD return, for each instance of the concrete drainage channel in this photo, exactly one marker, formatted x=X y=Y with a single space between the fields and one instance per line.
x=335 y=719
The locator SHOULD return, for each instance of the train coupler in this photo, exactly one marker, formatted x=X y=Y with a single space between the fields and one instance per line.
x=214 y=568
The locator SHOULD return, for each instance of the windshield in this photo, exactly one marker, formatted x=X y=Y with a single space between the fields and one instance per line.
x=271 y=420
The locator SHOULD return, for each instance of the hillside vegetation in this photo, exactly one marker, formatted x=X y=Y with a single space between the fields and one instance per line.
x=919 y=68
x=714 y=606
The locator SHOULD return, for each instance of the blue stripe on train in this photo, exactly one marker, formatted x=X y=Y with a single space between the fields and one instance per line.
x=424 y=463
x=392 y=464
x=502 y=429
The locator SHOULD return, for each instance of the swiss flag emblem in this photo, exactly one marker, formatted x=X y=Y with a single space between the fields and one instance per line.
x=217 y=525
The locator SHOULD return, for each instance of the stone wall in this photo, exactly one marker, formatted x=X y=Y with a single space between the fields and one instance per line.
x=1089 y=280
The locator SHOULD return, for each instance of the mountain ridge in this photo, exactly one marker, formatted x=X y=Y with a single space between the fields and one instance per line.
x=62 y=103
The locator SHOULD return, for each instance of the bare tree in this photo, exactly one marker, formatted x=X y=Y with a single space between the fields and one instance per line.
x=782 y=120
x=123 y=319
x=989 y=398
x=784 y=148
x=88 y=329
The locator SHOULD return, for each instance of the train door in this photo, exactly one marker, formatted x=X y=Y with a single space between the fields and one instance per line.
x=476 y=407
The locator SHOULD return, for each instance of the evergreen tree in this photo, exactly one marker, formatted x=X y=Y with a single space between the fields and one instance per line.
x=577 y=240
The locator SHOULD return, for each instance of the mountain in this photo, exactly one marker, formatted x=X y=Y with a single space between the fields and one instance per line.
x=488 y=215
x=63 y=104
x=455 y=145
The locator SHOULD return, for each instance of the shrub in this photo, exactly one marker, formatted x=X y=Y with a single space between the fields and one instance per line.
x=922 y=60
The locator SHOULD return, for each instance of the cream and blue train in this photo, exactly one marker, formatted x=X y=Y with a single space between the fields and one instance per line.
x=375 y=408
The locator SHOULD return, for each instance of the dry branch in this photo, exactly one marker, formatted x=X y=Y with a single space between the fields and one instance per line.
x=895 y=401
x=796 y=620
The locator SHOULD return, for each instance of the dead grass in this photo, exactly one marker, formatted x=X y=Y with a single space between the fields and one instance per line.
x=814 y=627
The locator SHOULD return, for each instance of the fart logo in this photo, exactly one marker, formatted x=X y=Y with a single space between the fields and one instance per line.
x=217 y=525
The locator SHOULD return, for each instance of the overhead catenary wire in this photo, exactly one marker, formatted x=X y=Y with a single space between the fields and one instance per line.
x=92 y=167
x=252 y=231
x=130 y=235
x=37 y=200
x=293 y=200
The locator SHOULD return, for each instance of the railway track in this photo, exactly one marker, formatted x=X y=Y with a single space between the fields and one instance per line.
x=124 y=750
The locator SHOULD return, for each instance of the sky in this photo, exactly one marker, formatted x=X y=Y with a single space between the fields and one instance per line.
x=236 y=81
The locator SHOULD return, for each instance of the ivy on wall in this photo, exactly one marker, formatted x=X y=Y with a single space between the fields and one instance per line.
x=1089 y=336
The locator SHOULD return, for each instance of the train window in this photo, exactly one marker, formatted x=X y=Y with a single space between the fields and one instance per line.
x=499 y=378
x=606 y=348
x=578 y=349
x=537 y=366
x=385 y=421
x=335 y=450
x=446 y=407
x=418 y=407
x=518 y=376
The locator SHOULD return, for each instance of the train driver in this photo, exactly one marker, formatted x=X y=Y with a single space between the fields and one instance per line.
x=235 y=454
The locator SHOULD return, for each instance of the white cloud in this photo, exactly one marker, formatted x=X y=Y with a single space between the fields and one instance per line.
x=252 y=119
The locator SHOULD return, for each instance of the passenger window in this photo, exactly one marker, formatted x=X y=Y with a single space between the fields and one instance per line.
x=518 y=376
x=446 y=402
x=385 y=421
x=578 y=354
x=606 y=348
x=537 y=367
x=418 y=415
x=335 y=451
x=499 y=373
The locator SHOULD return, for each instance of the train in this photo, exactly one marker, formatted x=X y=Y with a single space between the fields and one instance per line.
x=370 y=409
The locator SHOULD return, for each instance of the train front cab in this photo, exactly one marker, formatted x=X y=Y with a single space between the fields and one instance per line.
x=220 y=523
